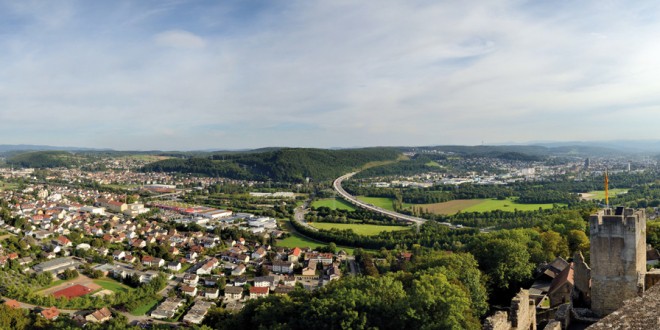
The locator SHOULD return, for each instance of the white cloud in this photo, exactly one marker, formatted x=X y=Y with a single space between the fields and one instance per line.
x=180 y=39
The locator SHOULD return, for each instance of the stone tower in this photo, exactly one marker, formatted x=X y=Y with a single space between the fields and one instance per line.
x=618 y=257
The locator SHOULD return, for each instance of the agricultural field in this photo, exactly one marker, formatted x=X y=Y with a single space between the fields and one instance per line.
x=334 y=204
x=479 y=205
x=600 y=194
x=360 y=229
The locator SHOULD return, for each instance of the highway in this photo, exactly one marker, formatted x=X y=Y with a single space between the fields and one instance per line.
x=353 y=200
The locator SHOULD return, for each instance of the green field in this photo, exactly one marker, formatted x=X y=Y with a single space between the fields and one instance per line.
x=382 y=202
x=600 y=194
x=334 y=204
x=112 y=285
x=359 y=229
x=297 y=240
x=505 y=205
x=145 y=308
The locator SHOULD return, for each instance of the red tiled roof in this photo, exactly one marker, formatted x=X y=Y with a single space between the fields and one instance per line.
x=50 y=313
x=13 y=303
x=259 y=290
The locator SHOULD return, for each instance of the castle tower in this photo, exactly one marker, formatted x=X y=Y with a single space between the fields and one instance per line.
x=618 y=257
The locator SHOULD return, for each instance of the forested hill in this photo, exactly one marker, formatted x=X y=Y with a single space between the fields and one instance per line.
x=46 y=159
x=288 y=164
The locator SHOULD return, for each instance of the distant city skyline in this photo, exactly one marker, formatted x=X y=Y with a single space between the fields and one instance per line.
x=194 y=75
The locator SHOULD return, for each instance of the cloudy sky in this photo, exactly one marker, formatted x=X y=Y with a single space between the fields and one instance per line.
x=246 y=74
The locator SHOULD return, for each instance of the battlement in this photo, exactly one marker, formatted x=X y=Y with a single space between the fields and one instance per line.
x=610 y=220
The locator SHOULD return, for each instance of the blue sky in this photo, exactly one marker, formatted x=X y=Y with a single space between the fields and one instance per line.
x=248 y=74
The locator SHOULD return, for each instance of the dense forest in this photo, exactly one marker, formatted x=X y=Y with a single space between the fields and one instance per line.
x=287 y=165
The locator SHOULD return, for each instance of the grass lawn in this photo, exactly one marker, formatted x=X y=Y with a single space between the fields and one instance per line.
x=359 y=229
x=112 y=285
x=600 y=194
x=145 y=308
x=334 y=203
x=382 y=202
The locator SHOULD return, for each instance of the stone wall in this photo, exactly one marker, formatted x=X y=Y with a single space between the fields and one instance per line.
x=618 y=257
x=522 y=315
x=581 y=295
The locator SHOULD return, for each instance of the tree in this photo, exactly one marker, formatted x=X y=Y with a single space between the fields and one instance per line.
x=13 y=318
x=577 y=241
x=553 y=245
x=438 y=304
x=505 y=261
x=70 y=274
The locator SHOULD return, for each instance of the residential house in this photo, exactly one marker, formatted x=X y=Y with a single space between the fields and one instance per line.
x=167 y=308
x=283 y=267
x=196 y=314
x=118 y=255
x=310 y=270
x=99 y=316
x=258 y=292
x=174 y=266
x=211 y=293
x=149 y=261
x=50 y=314
x=63 y=241
x=239 y=270
x=264 y=281
x=295 y=255
x=189 y=290
x=258 y=254
x=12 y=303
x=190 y=279
x=233 y=292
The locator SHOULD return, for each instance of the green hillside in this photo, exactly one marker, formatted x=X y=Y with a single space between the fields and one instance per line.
x=46 y=159
x=287 y=164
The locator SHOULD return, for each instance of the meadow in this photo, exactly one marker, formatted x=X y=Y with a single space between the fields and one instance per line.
x=334 y=204
x=360 y=229
x=462 y=205
x=600 y=194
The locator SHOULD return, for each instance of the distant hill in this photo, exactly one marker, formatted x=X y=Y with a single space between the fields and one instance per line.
x=523 y=152
x=32 y=147
x=46 y=159
x=285 y=164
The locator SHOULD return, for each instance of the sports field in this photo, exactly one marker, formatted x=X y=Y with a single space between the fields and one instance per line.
x=359 y=229
x=334 y=204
